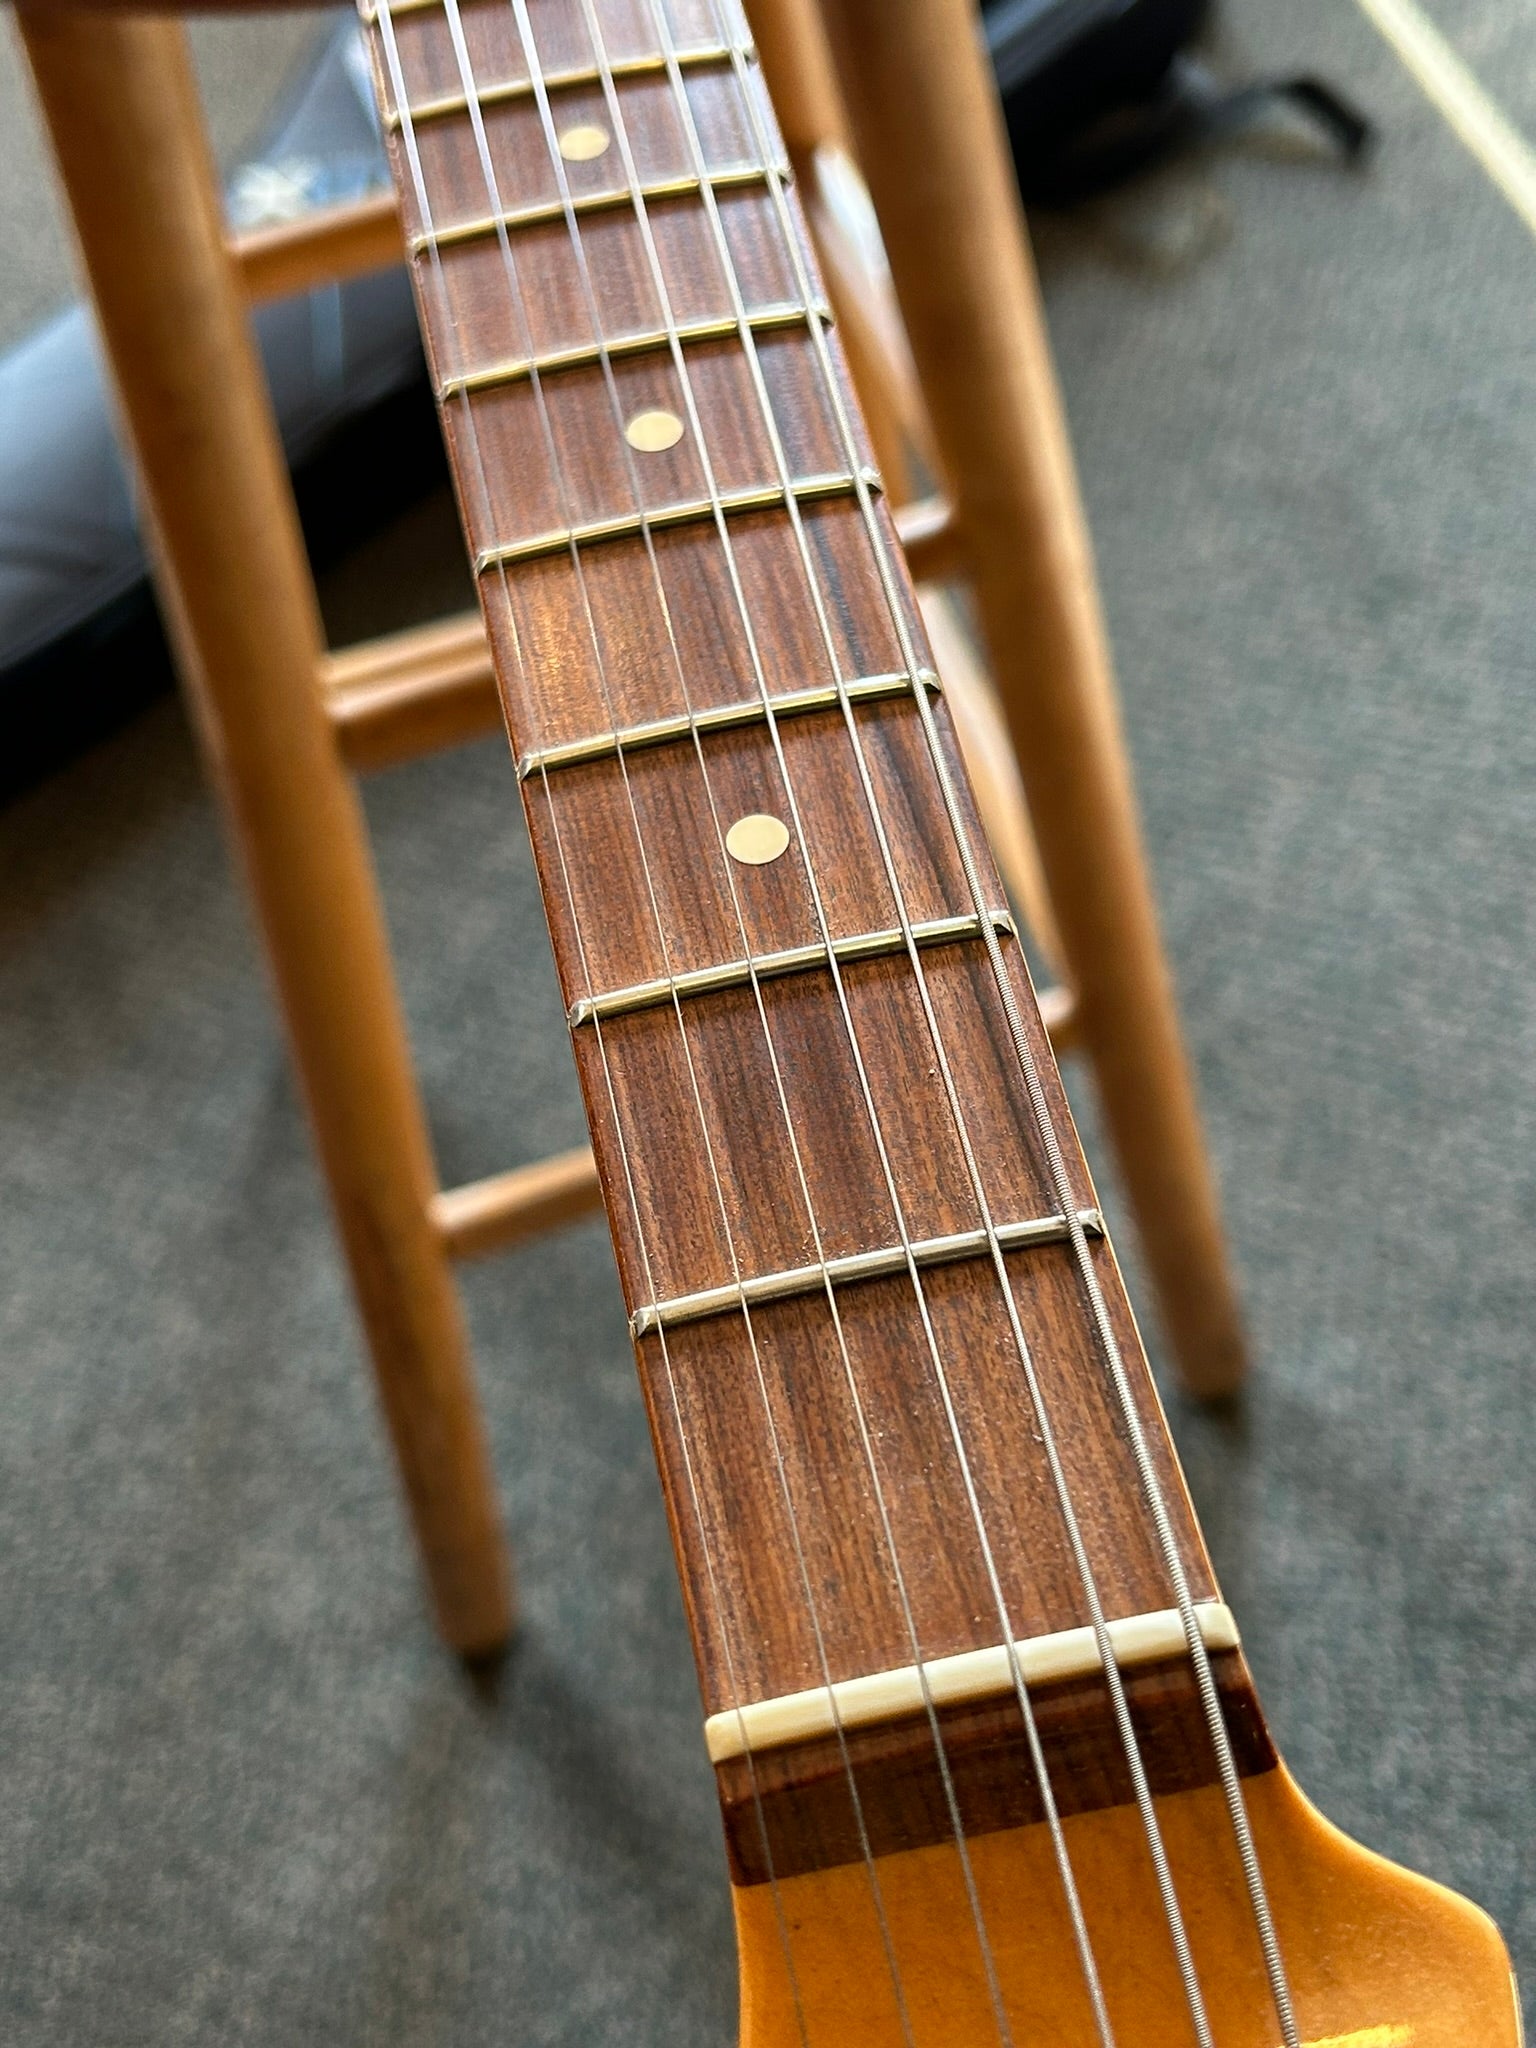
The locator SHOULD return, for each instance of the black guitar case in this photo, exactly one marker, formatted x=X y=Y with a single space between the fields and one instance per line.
x=1096 y=90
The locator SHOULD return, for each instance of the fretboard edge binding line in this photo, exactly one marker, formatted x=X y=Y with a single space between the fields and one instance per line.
x=727 y=974
x=627 y=525
x=876 y=1265
x=883 y=1696
x=509 y=91
x=653 y=341
x=550 y=210
x=659 y=732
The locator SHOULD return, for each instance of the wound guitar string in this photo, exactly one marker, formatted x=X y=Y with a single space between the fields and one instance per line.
x=481 y=481
x=875 y=537
x=531 y=51
x=1041 y=1770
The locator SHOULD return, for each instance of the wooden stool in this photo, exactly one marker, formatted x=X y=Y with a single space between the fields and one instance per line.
x=283 y=722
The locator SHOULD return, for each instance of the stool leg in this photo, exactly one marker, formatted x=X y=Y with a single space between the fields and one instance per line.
x=120 y=102
x=930 y=141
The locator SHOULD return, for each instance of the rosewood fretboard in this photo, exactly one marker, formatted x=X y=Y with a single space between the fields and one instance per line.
x=685 y=636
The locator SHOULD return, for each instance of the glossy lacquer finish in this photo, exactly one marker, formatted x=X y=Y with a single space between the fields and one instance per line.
x=864 y=1477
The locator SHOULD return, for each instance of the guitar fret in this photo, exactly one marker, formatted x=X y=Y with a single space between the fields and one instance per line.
x=700 y=981
x=550 y=210
x=517 y=89
x=875 y=1265
x=722 y=718
x=767 y=320
x=690 y=512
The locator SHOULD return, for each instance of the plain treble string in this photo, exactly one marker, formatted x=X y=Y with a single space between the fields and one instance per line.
x=1042 y=1772
x=1109 y=1344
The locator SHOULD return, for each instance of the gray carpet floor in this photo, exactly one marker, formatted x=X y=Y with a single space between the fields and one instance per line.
x=244 y=1797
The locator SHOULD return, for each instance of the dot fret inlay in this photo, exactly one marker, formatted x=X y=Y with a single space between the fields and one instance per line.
x=650 y=432
x=581 y=144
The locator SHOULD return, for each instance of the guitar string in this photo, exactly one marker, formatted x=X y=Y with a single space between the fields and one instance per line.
x=467 y=82
x=469 y=85
x=732 y=1683
x=1228 y=1773
x=1041 y=1770
x=1226 y=1764
x=711 y=1571
x=658 y=279
x=1042 y=1773
x=596 y=324
x=1140 y=1783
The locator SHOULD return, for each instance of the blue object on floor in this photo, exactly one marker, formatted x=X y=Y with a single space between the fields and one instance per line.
x=80 y=645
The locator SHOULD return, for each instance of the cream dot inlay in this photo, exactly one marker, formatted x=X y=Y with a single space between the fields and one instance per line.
x=579 y=145
x=650 y=432
x=757 y=839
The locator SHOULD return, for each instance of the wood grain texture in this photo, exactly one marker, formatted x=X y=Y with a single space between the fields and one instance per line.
x=860 y=1482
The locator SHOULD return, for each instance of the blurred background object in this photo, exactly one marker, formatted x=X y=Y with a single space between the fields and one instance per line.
x=1306 y=438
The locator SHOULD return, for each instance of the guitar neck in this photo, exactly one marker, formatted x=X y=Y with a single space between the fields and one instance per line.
x=900 y=1408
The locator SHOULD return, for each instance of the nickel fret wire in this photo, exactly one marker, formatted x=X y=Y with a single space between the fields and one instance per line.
x=714 y=718
x=584 y=356
x=1146 y=1468
x=489 y=227
x=727 y=548
x=510 y=90
x=725 y=974
x=518 y=308
x=407 y=138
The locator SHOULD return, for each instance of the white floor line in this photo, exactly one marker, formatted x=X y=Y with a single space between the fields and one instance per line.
x=1465 y=103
